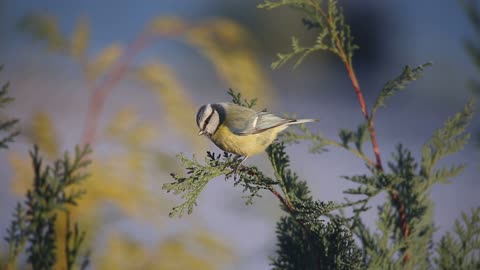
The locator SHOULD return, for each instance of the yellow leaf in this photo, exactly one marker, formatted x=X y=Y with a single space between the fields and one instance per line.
x=166 y=25
x=122 y=122
x=44 y=27
x=178 y=108
x=104 y=61
x=42 y=133
x=124 y=253
x=22 y=177
x=174 y=255
x=80 y=37
x=212 y=246
x=226 y=44
x=127 y=129
x=113 y=182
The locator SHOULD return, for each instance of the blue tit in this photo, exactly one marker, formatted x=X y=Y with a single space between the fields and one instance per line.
x=240 y=130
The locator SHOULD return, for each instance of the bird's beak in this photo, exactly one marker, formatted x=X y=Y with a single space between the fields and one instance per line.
x=201 y=132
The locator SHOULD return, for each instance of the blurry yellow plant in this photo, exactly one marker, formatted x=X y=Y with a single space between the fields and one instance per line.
x=42 y=130
x=80 y=37
x=103 y=61
x=178 y=109
x=121 y=180
x=225 y=44
x=125 y=174
x=178 y=253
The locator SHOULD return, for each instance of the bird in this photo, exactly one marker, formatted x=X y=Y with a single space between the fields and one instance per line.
x=240 y=130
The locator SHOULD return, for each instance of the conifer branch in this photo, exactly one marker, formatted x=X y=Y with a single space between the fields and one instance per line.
x=34 y=220
x=331 y=24
x=370 y=124
x=10 y=125
x=460 y=250
x=319 y=143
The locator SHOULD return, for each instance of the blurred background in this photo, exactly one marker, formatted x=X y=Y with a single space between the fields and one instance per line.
x=128 y=77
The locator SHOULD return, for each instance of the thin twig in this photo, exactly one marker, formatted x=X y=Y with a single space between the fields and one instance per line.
x=117 y=73
x=290 y=208
x=284 y=201
x=105 y=87
x=353 y=151
x=371 y=128
x=376 y=150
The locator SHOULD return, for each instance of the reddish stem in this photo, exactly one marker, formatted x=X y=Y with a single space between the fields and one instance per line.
x=105 y=87
x=376 y=150
x=363 y=107
x=284 y=201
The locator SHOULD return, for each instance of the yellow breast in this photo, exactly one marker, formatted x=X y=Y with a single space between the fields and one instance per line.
x=247 y=145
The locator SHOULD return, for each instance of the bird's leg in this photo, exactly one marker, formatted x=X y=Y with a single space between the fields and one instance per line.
x=243 y=160
x=238 y=166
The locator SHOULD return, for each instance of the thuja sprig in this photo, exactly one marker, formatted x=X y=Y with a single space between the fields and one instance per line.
x=334 y=34
x=74 y=240
x=33 y=223
x=459 y=250
x=198 y=176
x=8 y=125
x=406 y=182
x=319 y=143
x=408 y=75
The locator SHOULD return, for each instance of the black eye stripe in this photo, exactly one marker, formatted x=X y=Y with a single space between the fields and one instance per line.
x=205 y=123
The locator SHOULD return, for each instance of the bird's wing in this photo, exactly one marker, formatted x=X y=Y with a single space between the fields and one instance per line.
x=245 y=121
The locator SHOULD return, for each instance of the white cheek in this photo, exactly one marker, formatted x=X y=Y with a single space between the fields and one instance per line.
x=213 y=123
x=206 y=113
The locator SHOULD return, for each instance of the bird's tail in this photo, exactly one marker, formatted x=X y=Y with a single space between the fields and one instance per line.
x=301 y=121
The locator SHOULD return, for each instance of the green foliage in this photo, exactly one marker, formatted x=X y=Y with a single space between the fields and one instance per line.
x=329 y=243
x=33 y=223
x=461 y=252
x=315 y=236
x=198 y=175
x=472 y=46
x=237 y=99
x=403 y=238
x=305 y=240
x=408 y=75
x=7 y=125
x=445 y=141
x=326 y=246
x=412 y=183
x=319 y=143
x=333 y=33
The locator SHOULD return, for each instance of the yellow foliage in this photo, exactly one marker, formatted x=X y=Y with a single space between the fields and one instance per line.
x=80 y=37
x=211 y=245
x=128 y=130
x=166 y=25
x=225 y=44
x=172 y=254
x=113 y=181
x=44 y=27
x=123 y=178
x=42 y=132
x=104 y=61
x=178 y=108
